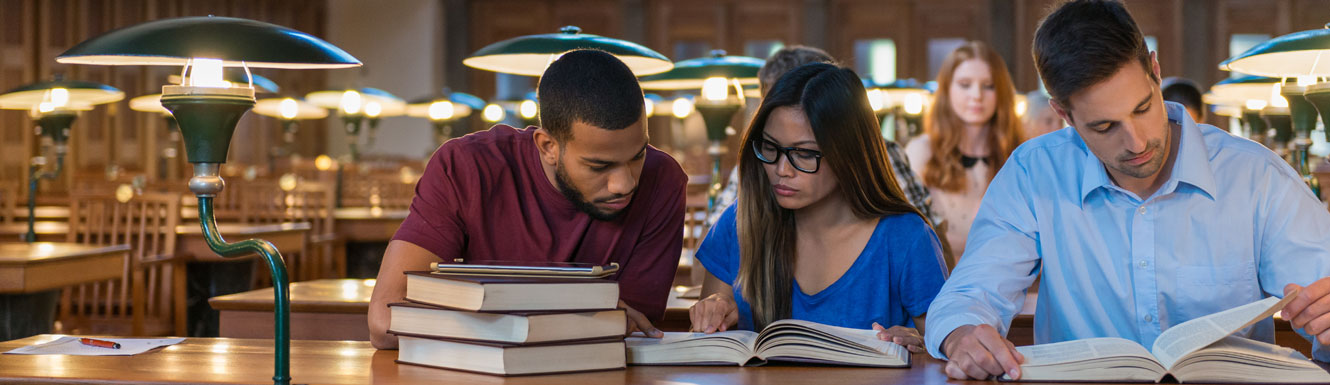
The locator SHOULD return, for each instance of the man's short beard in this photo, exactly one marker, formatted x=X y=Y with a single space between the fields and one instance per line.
x=565 y=186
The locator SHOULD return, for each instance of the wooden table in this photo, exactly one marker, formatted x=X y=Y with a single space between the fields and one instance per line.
x=367 y=224
x=190 y=244
x=224 y=360
x=31 y=275
x=326 y=309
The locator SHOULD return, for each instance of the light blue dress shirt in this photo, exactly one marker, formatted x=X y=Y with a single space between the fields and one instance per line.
x=1233 y=224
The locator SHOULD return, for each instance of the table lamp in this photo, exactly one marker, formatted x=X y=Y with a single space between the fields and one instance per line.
x=54 y=105
x=529 y=55
x=356 y=107
x=443 y=109
x=720 y=78
x=288 y=110
x=1251 y=94
x=153 y=104
x=1292 y=56
x=207 y=110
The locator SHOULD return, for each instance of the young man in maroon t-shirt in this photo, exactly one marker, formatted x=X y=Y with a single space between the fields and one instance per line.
x=583 y=187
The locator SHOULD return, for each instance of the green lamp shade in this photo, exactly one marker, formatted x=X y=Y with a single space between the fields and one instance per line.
x=689 y=74
x=332 y=99
x=82 y=95
x=1237 y=91
x=529 y=55
x=1294 y=54
x=272 y=107
x=463 y=104
x=235 y=41
x=148 y=103
x=237 y=76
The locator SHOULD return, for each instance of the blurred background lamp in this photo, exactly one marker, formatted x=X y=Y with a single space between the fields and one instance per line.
x=529 y=55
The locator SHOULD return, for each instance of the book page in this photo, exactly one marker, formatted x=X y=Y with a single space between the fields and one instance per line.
x=734 y=346
x=1187 y=337
x=1081 y=350
x=856 y=338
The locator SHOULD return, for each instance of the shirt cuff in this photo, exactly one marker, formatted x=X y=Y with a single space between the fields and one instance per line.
x=937 y=330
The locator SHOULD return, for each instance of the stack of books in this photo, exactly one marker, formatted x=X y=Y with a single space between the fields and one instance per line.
x=509 y=325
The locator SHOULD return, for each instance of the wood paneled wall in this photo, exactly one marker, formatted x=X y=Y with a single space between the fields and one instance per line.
x=34 y=32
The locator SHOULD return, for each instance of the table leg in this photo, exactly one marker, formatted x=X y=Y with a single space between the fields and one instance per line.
x=26 y=315
x=211 y=279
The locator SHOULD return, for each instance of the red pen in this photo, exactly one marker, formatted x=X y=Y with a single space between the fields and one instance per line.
x=99 y=343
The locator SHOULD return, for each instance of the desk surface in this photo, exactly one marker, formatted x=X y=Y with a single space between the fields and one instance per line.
x=320 y=296
x=368 y=213
x=39 y=266
x=221 y=360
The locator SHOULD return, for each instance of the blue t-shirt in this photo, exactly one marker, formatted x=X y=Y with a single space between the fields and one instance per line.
x=894 y=279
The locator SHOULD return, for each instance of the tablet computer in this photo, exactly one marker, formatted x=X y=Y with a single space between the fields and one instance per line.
x=527 y=269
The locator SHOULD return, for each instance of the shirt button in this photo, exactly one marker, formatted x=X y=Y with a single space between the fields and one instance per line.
x=1144 y=263
x=1149 y=318
x=1141 y=210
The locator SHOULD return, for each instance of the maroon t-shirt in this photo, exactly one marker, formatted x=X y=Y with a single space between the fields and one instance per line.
x=484 y=197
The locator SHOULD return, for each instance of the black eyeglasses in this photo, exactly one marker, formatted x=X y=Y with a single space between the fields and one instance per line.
x=802 y=159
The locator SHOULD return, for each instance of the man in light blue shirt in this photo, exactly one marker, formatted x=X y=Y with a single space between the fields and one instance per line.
x=1137 y=217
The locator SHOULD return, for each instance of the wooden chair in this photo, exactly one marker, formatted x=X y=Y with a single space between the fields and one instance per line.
x=144 y=300
x=314 y=203
x=8 y=201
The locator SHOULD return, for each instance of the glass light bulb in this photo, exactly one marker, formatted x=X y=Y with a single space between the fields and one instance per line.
x=287 y=182
x=1304 y=81
x=288 y=108
x=1277 y=100
x=1256 y=104
x=527 y=109
x=715 y=89
x=1021 y=107
x=682 y=107
x=876 y=99
x=914 y=103
x=207 y=73
x=373 y=109
x=323 y=162
x=350 y=102
x=649 y=107
x=59 y=97
x=492 y=113
x=441 y=110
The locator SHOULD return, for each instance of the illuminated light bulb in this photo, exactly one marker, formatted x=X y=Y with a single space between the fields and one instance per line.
x=1277 y=100
x=288 y=108
x=1256 y=104
x=373 y=109
x=1304 y=81
x=323 y=162
x=59 y=97
x=492 y=113
x=649 y=107
x=124 y=193
x=351 y=102
x=207 y=73
x=441 y=110
x=527 y=109
x=1021 y=107
x=715 y=89
x=914 y=103
x=287 y=182
x=682 y=107
x=45 y=107
x=875 y=99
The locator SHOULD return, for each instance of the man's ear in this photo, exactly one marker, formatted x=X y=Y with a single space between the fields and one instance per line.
x=1064 y=113
x=548 y=147
x=1154 y=65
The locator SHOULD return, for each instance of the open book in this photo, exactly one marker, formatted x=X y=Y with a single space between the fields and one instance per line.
x=784 y=340
x=1199 y=350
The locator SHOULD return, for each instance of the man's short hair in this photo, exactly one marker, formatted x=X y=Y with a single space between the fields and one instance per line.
x=1084 y=42
x=1184 y=91
x=588 y=86
x=786 y=59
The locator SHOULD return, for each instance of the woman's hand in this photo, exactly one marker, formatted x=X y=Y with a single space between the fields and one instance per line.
x=900 y=335
x=713 y=313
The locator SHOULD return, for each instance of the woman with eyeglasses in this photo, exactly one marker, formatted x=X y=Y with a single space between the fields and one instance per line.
x=821 y=231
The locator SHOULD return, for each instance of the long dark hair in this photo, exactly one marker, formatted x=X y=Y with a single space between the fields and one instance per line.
x=852 y=147
x=943 y=170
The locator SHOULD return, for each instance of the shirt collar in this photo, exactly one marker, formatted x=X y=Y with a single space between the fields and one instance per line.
x=1191 y=167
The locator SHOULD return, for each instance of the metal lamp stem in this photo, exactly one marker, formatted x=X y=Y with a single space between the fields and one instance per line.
x=53 y=126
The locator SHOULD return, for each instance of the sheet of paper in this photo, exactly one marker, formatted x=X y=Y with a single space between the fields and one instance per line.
x=71 y=346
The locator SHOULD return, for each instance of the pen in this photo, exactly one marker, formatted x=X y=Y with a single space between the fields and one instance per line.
x=99 y=343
